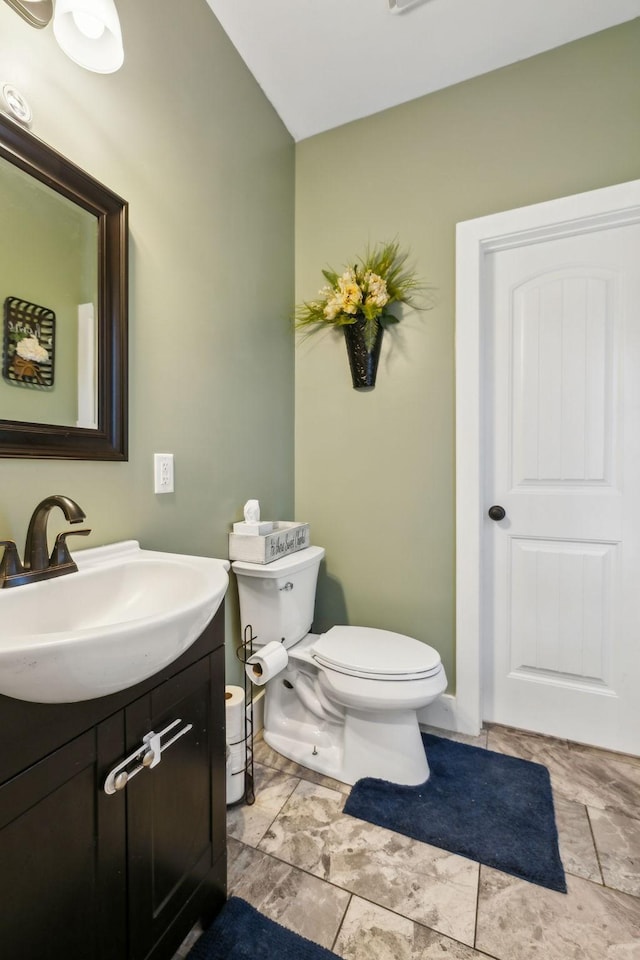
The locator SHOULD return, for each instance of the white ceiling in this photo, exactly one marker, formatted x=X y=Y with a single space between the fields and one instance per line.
x=323 y=63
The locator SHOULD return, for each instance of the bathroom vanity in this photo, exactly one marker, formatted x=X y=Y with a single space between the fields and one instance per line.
x=124 y=875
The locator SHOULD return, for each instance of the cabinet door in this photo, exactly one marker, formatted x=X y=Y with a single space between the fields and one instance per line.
x=62 y=855
x=176 y=811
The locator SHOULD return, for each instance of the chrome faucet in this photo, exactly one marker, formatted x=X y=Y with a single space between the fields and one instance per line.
x=38 y=564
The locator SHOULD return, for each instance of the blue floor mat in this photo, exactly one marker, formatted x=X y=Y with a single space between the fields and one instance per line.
x=489 y=807
x=239 y=932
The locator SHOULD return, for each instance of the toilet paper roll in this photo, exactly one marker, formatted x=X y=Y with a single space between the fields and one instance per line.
x=237 y=756
x=234 y=713
x=235 y=785
x=267 y=662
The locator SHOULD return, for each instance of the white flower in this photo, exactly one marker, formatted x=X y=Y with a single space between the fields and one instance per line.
x=29 y=349
x=333 y=307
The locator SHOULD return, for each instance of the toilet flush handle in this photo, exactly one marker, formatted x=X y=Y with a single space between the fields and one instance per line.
x=288 y=586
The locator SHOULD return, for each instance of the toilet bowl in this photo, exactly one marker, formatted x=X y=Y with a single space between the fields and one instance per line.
x=346 y=704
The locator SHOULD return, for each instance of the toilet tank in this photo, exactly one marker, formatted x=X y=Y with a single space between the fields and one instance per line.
x=277 y=599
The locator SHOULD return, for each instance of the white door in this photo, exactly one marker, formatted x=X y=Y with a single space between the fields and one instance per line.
x=561 y=450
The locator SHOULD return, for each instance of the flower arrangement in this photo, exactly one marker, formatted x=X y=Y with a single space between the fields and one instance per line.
x=28 y=354
x=30 y=349
x=364 y=291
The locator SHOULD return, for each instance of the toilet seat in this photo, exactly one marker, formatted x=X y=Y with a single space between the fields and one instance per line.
x=374 y=654
x=381 y=698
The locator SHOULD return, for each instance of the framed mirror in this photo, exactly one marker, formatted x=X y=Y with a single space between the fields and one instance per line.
x=64 y=298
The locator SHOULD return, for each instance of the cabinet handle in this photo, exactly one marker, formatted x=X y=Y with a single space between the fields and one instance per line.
x=146 y=757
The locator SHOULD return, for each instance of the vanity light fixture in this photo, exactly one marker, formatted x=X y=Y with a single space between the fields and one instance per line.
x=88 y=31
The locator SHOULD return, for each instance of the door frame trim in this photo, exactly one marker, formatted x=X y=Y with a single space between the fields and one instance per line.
x=595 y=210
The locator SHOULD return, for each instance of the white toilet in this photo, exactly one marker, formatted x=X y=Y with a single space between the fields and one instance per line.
x=346 y=703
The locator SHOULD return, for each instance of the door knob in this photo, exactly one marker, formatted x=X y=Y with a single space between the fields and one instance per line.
x=497 y=513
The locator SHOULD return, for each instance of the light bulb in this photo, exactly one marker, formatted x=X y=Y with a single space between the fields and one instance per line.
x=92 y=27
x=89 y=32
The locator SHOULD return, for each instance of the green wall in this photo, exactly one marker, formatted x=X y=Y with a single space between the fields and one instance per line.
x=375 y=471
x=184 y=133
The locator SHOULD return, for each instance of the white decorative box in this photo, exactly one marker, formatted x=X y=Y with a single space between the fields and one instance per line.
x=287 y=537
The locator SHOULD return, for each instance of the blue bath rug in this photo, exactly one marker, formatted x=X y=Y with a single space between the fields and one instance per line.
x=239 y=932
x=495 y=809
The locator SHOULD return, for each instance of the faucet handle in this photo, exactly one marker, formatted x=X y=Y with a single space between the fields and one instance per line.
x=60 y=555
x=11 y=564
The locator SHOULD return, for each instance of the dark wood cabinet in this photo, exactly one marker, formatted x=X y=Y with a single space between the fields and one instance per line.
x=86 y=875
x=173 y=810
x=62 y=855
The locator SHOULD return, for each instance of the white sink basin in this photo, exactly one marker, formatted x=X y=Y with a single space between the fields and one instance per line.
x=125 y=615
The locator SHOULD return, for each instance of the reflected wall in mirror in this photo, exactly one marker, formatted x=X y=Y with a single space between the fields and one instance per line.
x=63 y=245
x=49 y=257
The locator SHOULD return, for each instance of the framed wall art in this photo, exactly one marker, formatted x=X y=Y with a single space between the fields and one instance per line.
x=28 y=343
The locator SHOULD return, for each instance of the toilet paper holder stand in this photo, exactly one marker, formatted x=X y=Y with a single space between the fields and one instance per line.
x=244 y=651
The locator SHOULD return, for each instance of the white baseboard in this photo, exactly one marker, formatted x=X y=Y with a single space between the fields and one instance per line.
x=445 y=714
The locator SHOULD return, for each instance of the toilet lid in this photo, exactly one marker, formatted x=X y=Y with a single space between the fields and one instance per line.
x=375 y=654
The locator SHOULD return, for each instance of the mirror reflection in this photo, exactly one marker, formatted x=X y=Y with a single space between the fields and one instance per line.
x=48 y=295
x=63 y=306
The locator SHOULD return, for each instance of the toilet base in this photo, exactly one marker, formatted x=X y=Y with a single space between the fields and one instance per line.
x=387 y=746
x=322 y=759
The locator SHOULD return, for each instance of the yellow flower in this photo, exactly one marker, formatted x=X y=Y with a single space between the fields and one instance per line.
x=350 y=292
x=346 y=298
x=376 y=288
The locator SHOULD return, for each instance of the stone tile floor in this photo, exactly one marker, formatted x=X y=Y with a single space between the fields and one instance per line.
x=370 y=894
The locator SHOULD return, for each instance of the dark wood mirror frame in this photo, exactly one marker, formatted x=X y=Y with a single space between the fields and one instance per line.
x=109 y=441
